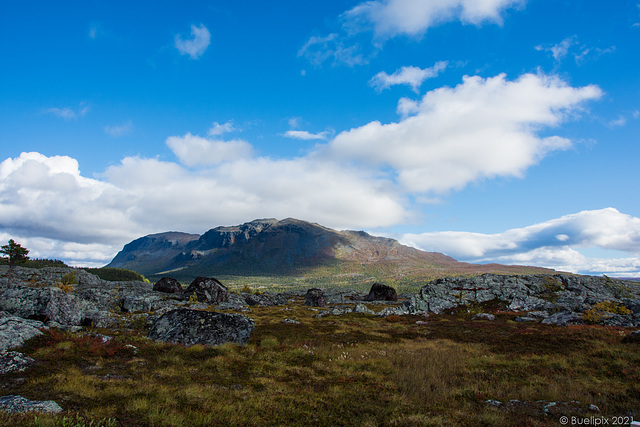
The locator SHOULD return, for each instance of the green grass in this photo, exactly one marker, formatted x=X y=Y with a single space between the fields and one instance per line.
x=343 y=370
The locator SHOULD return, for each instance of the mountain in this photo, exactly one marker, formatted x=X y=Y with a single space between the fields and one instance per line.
x=266 y=247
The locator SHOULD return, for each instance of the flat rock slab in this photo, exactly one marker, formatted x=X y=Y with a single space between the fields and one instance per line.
x=12 y=361
x=190 y=327
x=19 y=404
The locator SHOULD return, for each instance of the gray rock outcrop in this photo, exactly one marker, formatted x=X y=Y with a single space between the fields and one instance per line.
x=190 y=327
x=558 y=299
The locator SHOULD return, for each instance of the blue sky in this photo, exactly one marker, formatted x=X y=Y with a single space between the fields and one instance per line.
x=490 y=130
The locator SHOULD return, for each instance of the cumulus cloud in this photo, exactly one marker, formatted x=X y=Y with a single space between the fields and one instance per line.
x=196 y=45
x=553 y=243
x=390 y=18
x=193 y=150
x=47 y=197
x=482 y=128
x=412 y=76
x=305 y=135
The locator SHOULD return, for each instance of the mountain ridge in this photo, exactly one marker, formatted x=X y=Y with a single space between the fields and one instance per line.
x=290 y=246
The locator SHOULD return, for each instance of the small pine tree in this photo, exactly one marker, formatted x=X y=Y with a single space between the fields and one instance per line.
x=16 y=253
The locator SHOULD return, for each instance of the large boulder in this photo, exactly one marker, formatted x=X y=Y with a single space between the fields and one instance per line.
x=168 y=285
x=381 y=292
x=190 y=327
x=14 y=331
x=207 y=289
x=315 y=298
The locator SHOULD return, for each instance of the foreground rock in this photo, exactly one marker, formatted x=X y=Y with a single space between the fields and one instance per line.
x=14 y=331
x=190 y=327
x=315 y=298
x=380 y=292
x=207 y=289
x=18 y=404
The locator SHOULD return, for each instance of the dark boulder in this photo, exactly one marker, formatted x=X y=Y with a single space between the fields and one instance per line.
x=381 y=292
x=190 y=327
x=258 y=300
x=168 y=285
x=207 y=289
x=315 y=298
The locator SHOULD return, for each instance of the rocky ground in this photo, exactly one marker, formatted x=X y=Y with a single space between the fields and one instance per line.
x=33 y=300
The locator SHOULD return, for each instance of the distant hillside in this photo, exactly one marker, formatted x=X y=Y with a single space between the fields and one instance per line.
x=269 y=247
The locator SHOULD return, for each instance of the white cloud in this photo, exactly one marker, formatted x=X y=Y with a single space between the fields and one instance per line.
x=193 y=150
x=119 y=130
x=69 y=113
x=304 y=135
x=197 y=45
x=482 y=128
x=620 y=121
x=46 y=202
x=219 y=129
x=390 y=18
x=412 y=76
x=553 y=243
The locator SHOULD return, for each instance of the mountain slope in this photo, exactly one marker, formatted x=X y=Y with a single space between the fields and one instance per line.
x=271 y=247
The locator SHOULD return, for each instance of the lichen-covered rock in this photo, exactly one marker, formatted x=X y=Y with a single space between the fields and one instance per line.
x=14 y=331
x=190 y=327
x=315 y=298
x=562 y=293
x=12 y=361
x=381 y=292
x=19 y=404
x=258 y=300
x=207 y=289
x=43 y=304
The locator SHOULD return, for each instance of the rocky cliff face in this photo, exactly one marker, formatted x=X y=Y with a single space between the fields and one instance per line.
x=269 y=246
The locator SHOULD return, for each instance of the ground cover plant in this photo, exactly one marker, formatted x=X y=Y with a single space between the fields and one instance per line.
x=354 y=369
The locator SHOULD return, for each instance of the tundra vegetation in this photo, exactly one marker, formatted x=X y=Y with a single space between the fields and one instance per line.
x=354 y=369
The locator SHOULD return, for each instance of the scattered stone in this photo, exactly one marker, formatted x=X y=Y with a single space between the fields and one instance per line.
x=563 y=318
x=168 y=285
x=18 y=404
x=361 y=308
x=12 y=361
x=190 y=327
x=525 y=319
x=207 y=289
x=484 y=316
x=258 y=300
x=315 y=298
x=381 y=292
x=291 y=321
